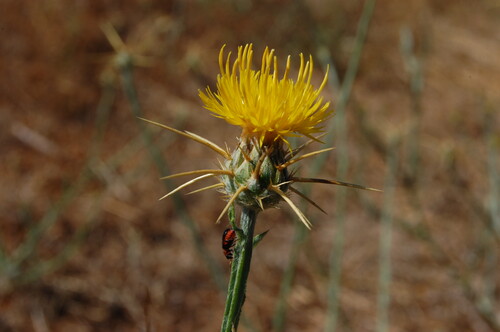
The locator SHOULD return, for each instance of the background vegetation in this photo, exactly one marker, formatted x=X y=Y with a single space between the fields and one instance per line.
x=85 y=245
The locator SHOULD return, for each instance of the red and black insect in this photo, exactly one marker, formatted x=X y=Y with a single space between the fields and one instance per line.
x=228 y=242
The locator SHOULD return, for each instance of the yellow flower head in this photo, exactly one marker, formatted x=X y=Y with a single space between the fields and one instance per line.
x=265 y=107
x=256 y=174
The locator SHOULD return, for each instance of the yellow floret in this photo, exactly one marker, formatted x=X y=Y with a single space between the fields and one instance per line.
x=264 y=106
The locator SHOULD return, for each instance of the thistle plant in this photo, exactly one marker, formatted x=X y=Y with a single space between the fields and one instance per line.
x=256 y=174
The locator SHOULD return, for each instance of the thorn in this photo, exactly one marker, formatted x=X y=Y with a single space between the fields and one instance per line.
x=295 y=209
x=300 y=148
x=187 y=184
x=217 y=185
x=194 y=137
x=256 y=171
x=283 y=183
x=245 y=154
x=315 y=139
x=210 y=144
x=261 y=205
x=231 y=200
x=201 y=171
x=338 y=183
x=307 y=155
x=307 y=199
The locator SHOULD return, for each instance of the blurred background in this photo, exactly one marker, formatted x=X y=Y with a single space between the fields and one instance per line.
x=85 y=245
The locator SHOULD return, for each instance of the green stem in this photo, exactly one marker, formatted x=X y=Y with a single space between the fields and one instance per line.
x=239 y=271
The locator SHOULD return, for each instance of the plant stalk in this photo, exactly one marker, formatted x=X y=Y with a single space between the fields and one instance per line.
x=239 y=271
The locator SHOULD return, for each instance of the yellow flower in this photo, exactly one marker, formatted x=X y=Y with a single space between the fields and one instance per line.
x=256 y=175
x=264 y=106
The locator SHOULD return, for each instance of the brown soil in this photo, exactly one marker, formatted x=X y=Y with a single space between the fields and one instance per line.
x=116 y=259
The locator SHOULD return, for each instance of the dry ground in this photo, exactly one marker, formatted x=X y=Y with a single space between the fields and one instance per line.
x=113 y=258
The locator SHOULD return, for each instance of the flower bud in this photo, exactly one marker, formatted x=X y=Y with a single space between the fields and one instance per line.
x=255 y=169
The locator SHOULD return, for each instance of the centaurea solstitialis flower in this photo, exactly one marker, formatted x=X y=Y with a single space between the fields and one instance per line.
x=255 y=175
x=269 y=109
